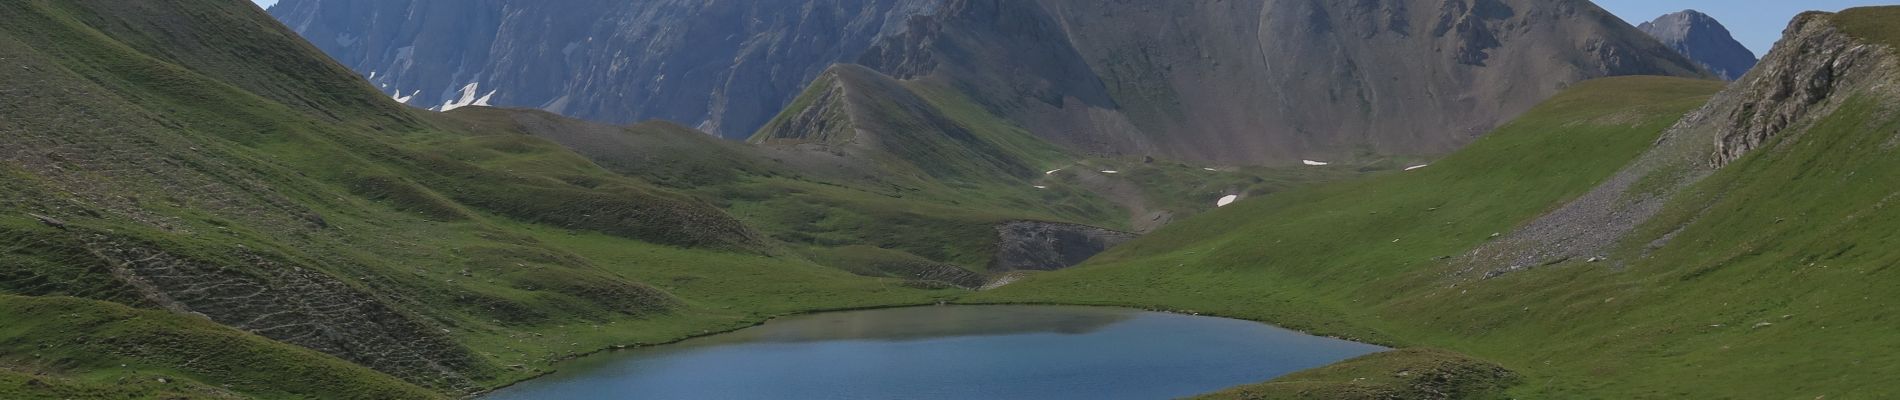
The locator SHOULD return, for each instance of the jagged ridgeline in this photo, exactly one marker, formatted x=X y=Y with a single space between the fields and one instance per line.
x=1246 y=82
x=1631 y=238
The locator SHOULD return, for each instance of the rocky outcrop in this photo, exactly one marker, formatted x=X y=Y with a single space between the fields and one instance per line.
x=1048 y=246
x=1703 y=39
x=1807 y=69
x=1805 y=78
x=725 y=66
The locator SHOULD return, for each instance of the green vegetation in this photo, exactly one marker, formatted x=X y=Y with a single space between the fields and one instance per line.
x=1397 y=374
x=244 y=178
x=1879 y=25
x=76 y=348
x=190 y=189
x=1379 y=260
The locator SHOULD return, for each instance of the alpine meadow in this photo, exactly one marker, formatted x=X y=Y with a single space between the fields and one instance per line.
x=943 y=199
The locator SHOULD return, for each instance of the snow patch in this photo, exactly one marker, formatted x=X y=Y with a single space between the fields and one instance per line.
x=1053 y=171
x=1210 y=169
x=404 y=99
x=1224 y=201
x=1312 y=163
x=1111 y=172
x=468 y=98
x=1041 y=187
x=1416 y=167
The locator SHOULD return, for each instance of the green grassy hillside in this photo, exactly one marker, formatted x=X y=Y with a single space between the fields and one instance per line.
x=189 y=192
x=121 y=352
x=1364 y=259
x=190 y=158
x=1766 y=279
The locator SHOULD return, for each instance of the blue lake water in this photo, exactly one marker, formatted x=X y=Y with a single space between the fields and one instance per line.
x=951 y=352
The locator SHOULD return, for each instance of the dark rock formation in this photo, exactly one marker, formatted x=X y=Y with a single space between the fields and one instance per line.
x=1048 y=246
x=1703 y=39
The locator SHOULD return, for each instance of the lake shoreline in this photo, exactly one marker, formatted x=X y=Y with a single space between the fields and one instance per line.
x=566 y=363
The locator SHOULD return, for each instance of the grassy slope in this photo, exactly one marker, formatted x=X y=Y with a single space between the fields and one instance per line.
x=1879 y=25
x=1364 y=259
x=290 y=157
x=124 y=352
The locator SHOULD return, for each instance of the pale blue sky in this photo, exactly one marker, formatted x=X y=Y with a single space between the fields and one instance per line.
x=1757 y=23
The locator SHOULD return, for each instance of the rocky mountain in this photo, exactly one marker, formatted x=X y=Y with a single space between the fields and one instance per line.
x=724 y=66
x=1228 y=82
x=1270 y=81
x=1703 y=39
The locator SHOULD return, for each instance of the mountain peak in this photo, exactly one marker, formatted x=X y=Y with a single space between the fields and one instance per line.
x=1704 y=39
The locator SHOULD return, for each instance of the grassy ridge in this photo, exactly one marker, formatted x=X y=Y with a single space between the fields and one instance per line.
x=1367 y=259
x=1879 y=25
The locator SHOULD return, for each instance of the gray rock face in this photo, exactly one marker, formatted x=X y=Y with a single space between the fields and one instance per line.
x=1817 y=62
x=725 y=66
x=1703 y=39
x=1048 y=246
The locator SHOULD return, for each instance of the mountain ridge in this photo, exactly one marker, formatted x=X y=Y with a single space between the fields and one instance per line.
x=1069 y=72
x=1704 y=39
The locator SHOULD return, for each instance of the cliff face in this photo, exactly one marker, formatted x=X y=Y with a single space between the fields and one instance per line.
x=1703 y=39
x=725 y=66
x=1812 y=73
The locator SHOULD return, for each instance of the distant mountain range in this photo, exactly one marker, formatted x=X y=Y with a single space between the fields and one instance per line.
x=1703 y=39
x=1234 y=82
